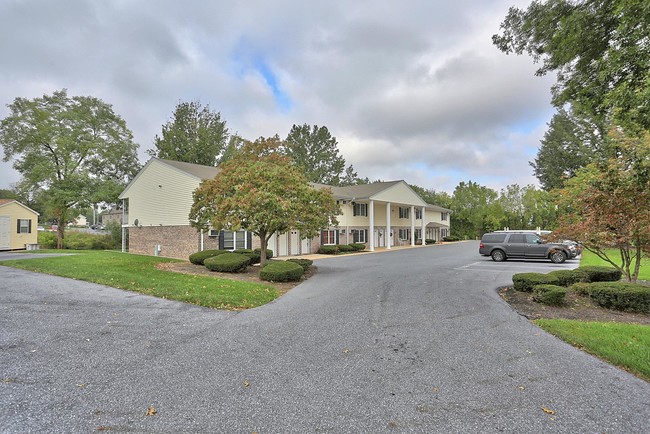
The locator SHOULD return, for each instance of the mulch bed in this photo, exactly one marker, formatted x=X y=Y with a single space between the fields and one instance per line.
x=577 y=308
x=250 y=275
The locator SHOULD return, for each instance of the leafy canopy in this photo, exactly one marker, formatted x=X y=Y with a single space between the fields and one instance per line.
x=195 y=134
x=570 y=143
x=599 y=49
x=76 y=148
x=315 y=151
x=262 y=191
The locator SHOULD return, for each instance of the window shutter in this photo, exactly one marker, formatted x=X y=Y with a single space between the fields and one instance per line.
x=29 y=229
x=249 y=240
x=221 y=239
x=336 y=237
x=322 y=237
x=18 y=226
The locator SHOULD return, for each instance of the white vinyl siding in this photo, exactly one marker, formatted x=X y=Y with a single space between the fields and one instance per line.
x=162 y=195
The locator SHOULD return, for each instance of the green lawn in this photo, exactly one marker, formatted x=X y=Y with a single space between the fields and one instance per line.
x=139 y=273
x=623 y=345
x=588 y=258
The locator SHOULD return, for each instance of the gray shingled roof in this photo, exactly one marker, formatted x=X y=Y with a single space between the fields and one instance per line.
x=365 y=191
x=200 y=171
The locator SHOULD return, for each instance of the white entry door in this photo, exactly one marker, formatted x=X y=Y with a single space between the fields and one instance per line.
x=294 y=243
x=5 y=234
x=271 y=244
x=305 y=246
x=283 y=244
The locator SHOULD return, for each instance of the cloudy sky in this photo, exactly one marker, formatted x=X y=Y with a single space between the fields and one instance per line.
x=411 y=89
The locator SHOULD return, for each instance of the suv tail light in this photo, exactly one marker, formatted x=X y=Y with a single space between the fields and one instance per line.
x=480 y=246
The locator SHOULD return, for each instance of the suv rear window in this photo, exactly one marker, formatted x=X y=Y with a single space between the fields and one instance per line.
x=494 y=238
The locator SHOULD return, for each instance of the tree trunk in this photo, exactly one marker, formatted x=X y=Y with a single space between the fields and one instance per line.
x=263 y=243
x=60 y=230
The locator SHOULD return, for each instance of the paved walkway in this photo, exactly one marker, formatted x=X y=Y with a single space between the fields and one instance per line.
x=416 y=340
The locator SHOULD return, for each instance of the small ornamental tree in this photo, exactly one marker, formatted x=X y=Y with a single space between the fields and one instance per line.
x=262 y=191
x=607 y=204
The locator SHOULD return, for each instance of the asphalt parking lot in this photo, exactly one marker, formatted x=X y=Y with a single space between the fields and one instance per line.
x=404 y=341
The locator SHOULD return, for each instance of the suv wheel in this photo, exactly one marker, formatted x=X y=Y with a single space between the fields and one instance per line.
x=557 y=257
x=498 y=256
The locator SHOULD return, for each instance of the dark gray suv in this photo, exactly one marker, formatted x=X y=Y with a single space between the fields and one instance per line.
x=504 y=245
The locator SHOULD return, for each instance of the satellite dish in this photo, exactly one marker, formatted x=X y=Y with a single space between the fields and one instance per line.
x=136 y=222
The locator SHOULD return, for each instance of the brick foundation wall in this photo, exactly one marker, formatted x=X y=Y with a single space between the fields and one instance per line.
x=175 y=241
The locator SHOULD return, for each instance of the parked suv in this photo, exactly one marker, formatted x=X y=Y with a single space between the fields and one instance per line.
x=504 y=245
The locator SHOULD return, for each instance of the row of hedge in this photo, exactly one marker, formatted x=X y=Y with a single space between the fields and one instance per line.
x=341 y=248
x=601 y=284
x=199 y=258
x=237 y=261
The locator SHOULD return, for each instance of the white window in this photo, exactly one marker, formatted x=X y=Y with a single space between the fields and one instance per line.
x=404 y=234
x=444 y=215
x=418 y=234
x=234 y=240
x=360 y=209
x=24 y=226
x=328 y=237
x=359 y=235
x=404 y=213
x=418 y=214
x=444 y=232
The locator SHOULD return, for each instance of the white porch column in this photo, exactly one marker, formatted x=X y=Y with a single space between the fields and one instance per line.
x=371 y=227
x=424 y=225
x=412 y=225
x=387 y=237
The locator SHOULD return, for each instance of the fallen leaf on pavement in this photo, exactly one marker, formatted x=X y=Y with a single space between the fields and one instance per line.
x=150 y=411
x=548 y=410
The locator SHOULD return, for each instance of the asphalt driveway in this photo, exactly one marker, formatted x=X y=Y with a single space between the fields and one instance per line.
x=404 y=341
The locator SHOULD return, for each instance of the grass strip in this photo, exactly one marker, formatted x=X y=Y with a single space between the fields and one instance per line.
x=139 y=273
x=588 y=258
x=624 y=345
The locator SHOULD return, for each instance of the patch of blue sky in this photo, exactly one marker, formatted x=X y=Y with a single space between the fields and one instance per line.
x=282 y=99
x=245 y=59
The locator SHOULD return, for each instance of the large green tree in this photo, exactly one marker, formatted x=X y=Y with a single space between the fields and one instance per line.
x=607 y=204
x=76 y=148
x=316 y=152
x=570 y=143
x=598 y=48
x=476 y=210
x=262 y=191
x=194 y=134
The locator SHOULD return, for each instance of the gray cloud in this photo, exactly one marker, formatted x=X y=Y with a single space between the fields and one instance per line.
x=413 y=91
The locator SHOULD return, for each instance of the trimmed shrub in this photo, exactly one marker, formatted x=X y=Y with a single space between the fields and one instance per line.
x=525 y=282
x=345 y=248
x=568 y=277
x=328 y=250
x=304 y=263
x=451 y=238
x=597 y=273
x=198 y=257
x=429 y=241
x=227 y=263
x=269 y=253
x=581 y=288
x=281 y=271
x=551 y=295
x=357 y=247
x=632 y=297
x=253 y=258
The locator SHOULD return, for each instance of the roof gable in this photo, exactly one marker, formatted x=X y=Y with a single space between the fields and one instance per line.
x=389 y=191
x=5 y=202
